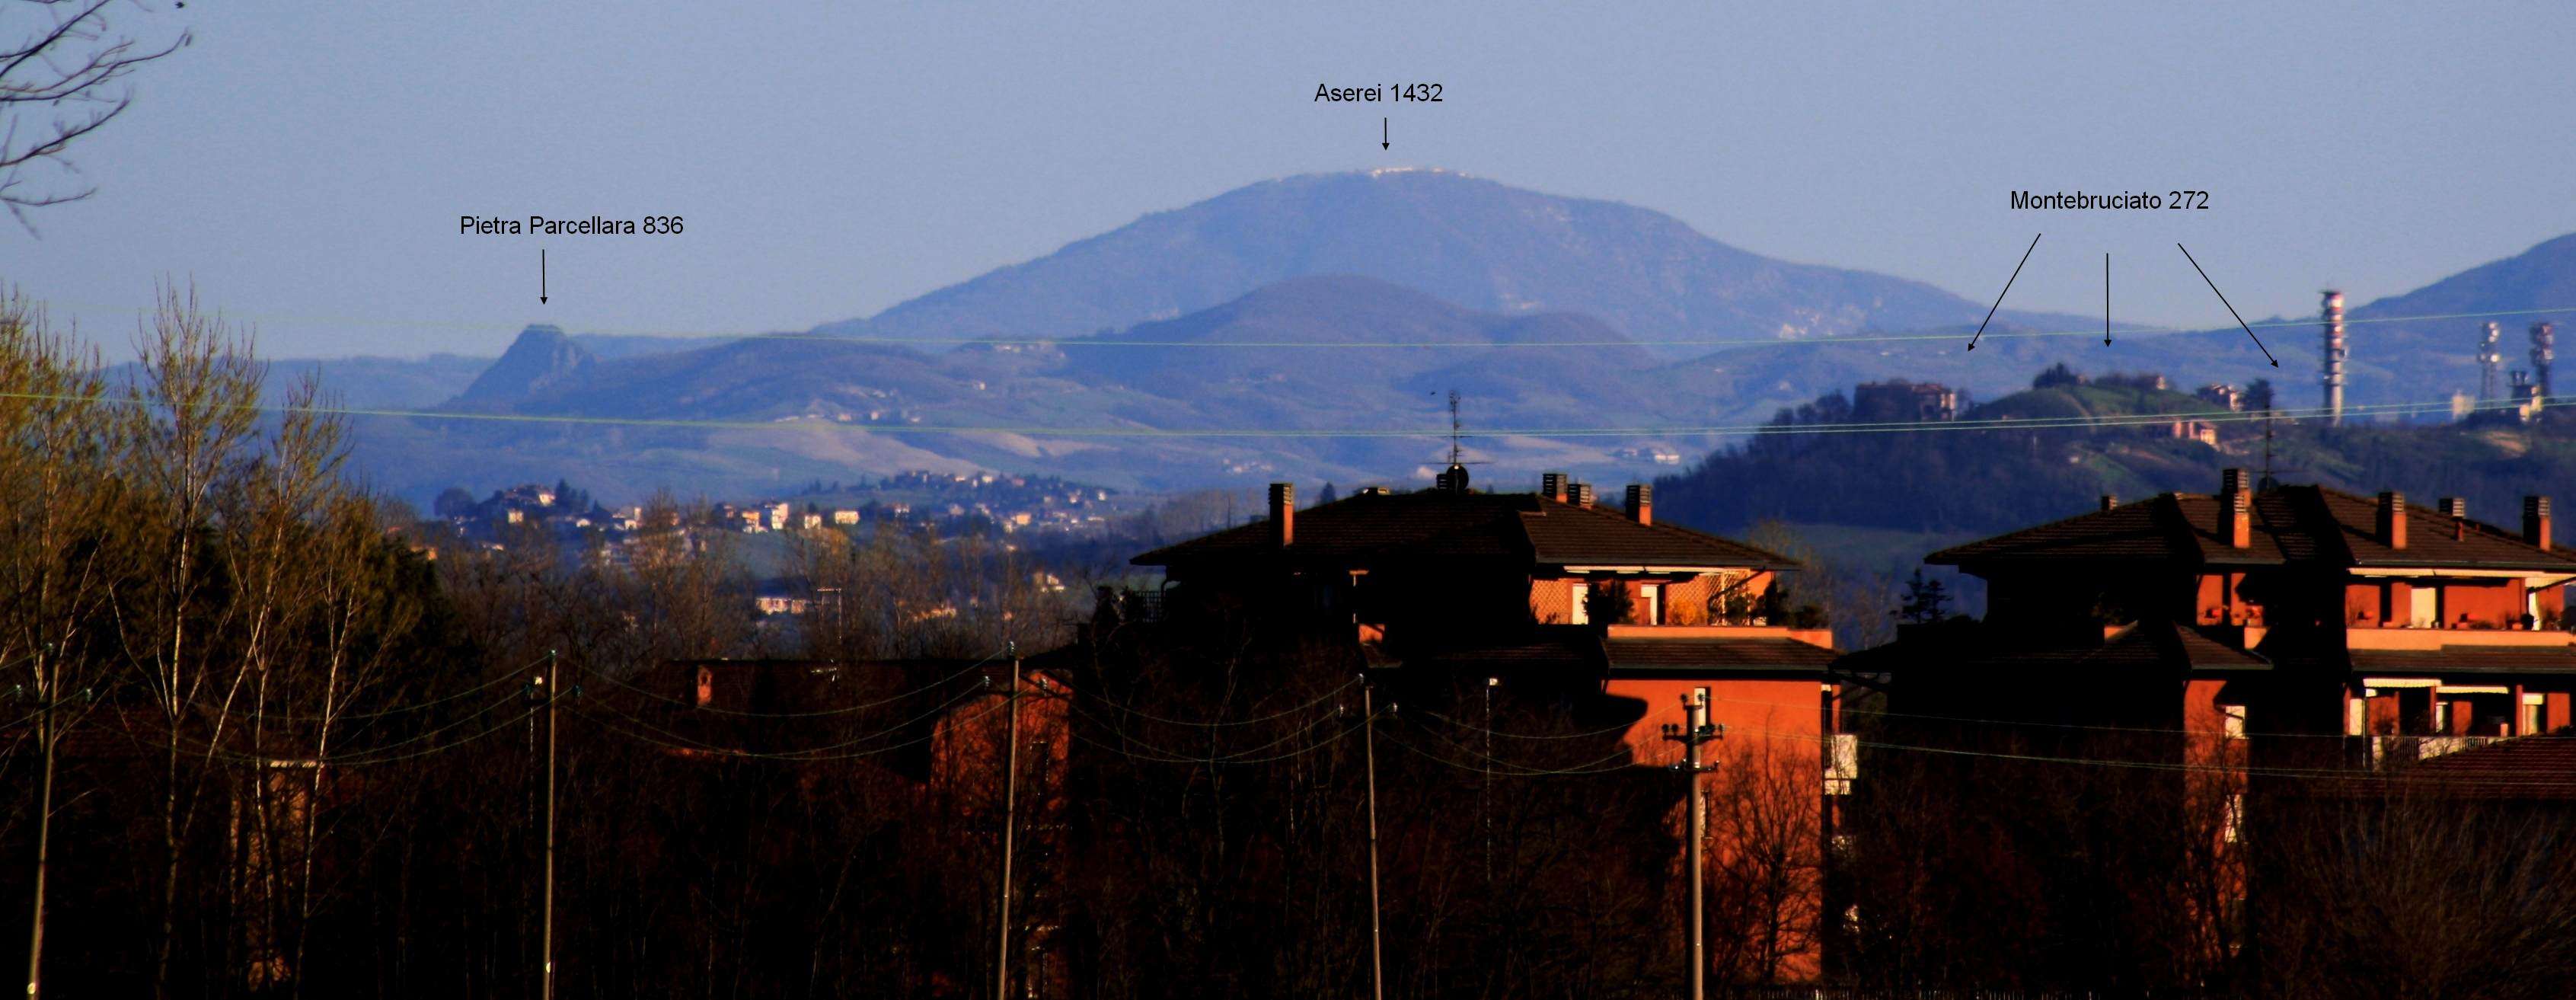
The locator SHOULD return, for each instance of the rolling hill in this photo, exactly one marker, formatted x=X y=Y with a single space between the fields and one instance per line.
x=1318 y=276
x=1473 y=242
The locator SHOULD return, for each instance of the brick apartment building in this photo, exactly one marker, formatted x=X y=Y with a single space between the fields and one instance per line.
x=2302 y=610
x=2143 y=666
x=1556 y=595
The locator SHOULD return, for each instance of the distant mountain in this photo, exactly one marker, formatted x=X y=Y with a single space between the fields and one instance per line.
x=1287 y=310
x=2543 y=277
x=1341 y=351
x=1333 y=353
x=2395 y=358
x=381 y=383
x=542 y=359
x=1468 y=241
x=611 y=346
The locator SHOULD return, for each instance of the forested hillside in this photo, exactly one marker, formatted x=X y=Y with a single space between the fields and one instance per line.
x=1815 y=468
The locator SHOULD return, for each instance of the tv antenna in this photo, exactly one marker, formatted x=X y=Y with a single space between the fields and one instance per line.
x=1457 y=430
x=2267 y=482
x=1456 y=477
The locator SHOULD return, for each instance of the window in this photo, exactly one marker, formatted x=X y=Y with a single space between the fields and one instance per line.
x=1842 y=763
x=1652 y=597
x=2425 y=610
x=2235 y=721
x=1576 y=593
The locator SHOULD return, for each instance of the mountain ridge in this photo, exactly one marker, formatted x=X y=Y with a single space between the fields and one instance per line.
x=1469 y=240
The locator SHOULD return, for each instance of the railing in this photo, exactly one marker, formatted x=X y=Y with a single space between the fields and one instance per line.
x=1129 y=605
x=2386 y=750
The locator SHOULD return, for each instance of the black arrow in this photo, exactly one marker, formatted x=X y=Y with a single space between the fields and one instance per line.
x=541 y=275
x=2106 y=299
x=1381 y=133
x=1999 y=296
x=2231 y=308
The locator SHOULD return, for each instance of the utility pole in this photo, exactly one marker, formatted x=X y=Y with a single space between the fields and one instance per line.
x=1485 y=795
x=1010 y=821
x=49 y=672
x=546 y=945
x=1368 y=743
x=1697 y=732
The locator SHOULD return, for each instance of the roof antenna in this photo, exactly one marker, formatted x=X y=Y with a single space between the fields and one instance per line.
x=2267 y=482
x=1455 y=428
x=1455 y=478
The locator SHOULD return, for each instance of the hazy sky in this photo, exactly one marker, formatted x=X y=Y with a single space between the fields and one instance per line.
x=305 y=164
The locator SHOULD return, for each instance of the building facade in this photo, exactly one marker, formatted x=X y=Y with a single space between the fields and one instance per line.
x=1554 y=595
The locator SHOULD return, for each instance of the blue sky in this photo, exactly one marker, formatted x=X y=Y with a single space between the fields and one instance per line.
x=304 y=164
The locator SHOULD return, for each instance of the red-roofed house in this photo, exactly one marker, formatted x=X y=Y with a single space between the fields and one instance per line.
x=2141 y=664
x=1548 y=590
x=2383 y=622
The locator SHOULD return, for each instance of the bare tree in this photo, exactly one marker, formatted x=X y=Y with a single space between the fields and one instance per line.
x=191 y=418
x=54 y=576
x=63 y=70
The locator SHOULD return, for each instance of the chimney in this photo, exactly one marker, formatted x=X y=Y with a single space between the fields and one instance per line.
x=1641 y=503
x=2236 y=519
x=2334 y=357
x=2535 y=522
x=2392 y=519
x=1552 y=486
x=1579 y=494
x=2109 y=501
x=2454 y=506
x=2231 y=481
x=1283 y=514
x=2544 y=349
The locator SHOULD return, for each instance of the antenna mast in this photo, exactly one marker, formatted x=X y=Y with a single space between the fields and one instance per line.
x=1456 y=429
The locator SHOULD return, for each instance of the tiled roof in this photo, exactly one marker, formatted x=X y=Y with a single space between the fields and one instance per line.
x=1445 y=524
x=1564 y=534
x=2289 y=524
x=1698 y=654
x=1970 y=644
x=2531 y=767
x=1564 y=649
x=2524 y=768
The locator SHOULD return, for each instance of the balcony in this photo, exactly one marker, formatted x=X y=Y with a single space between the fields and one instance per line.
x=2387 y=750
x=2372 y=637
x=1811 y=636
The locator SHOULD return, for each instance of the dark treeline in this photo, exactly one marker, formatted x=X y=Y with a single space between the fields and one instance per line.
x=2142 y=858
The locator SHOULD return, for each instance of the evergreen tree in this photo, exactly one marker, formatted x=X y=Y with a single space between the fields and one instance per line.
x=1924 y=599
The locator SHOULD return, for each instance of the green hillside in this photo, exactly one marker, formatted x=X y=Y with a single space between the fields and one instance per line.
x=1984 y=481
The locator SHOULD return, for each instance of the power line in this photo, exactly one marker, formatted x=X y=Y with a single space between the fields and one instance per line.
x=826 y=751
x=1078 y=736
x=1125 y=737
x=2023 y=723
x=818 y=713
x=1622 y=727
x=2248 y=770
x=767 y=755
x=1113 y=342
x=1142 y=714
x=1997 y=423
